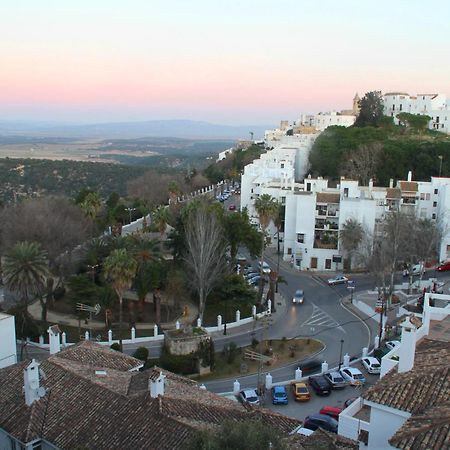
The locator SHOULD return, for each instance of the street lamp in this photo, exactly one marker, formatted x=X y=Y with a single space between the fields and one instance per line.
x=340 y=354
x=129 y=210
x=225 y=319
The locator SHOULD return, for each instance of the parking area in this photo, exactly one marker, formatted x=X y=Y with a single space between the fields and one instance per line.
x=300 y=410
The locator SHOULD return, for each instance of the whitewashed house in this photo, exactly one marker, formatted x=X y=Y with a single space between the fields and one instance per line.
x=8 y=349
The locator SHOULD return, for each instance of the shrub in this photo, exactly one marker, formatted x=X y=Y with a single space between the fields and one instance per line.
x=255 y=343
x=141 y=353
x=230 y=351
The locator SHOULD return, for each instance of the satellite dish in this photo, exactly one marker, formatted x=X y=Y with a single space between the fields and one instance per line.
x=41 y=392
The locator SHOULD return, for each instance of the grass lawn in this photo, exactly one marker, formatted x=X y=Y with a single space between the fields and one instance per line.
x=283 y=352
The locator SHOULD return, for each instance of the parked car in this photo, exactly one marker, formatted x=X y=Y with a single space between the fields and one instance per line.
x=349 y=401
x=336 y=380
x=303 y=431
x=279 y=396
x=392 y=344
x=443 y=267
x=323 y=421
x=249 y=396
x=301 y=392
x=332 y=411
x=265 y=267
x=252 y=274
x=311 y=365
x=338 y=279
x=320 y=385
x=299 y=297
x=371 y=364
x=232 y=207
x=353 y=375
x=254 y=281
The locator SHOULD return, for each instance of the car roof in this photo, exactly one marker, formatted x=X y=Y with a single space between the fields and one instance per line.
x=248 y=392
x=279 y=388
x=335 y=374
x=331 y=408
x=321 y=417
x=299 y=291
x=300 y=384
x=372 y=359
x=352 y=369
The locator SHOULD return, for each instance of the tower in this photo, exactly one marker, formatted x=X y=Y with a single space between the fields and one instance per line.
x=355 y=108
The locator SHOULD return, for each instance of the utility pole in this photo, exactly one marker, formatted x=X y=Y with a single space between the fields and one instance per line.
x=440 y=164
x=340 y=354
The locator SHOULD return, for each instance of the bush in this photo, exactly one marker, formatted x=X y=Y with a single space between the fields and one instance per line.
x=230 y=351
x=116 y=346
x=141 y=353
x=181 y=364
x=255 y=343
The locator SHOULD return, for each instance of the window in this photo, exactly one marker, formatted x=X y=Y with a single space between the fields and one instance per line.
x=283 y=200
x=308 y=187
x=433 y=216
x=422 y=196
x=427 y=196
x=289 y=251
x=282 y=165
x=434 y=204
x=345 y=192
x=328 y=264
x=301 y=238
x=401 y=106
x=436 y=191
x=252 y=190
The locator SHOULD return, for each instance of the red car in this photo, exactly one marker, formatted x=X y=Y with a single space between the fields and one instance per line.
x=232 y=208
x=332 y=411
x=444 y=267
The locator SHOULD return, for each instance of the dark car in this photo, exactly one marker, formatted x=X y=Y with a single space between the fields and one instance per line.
x=323 y=421
x=310 y=366
x=320 y=385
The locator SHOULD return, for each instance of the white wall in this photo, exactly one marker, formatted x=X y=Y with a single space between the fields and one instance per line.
x=384 y=422
x=8 y=351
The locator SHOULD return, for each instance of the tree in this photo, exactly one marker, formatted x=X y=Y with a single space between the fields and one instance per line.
x=362 y=164
x=351 y=236
x=245 y=435
x=417 y=122
x=91 y=205
x=161 y=217
x=205 y=255
x=120 y=268
x=25 y=269
x=370 y=110
x=267 y=209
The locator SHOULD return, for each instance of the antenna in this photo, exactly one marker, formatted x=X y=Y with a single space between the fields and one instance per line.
x=251 y=135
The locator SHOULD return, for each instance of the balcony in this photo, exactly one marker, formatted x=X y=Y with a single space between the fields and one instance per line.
x=326 y=239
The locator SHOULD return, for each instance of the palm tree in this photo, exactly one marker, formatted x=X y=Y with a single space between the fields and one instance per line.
x=161 y=217
x=91 y=205
x=351 y=236
x=120 y=268
x=25 y=269
x=267 y=208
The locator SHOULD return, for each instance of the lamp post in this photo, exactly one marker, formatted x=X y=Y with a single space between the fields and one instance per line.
x=340 y=354
x=129 y=211
x=225 y=319
x=440 y=164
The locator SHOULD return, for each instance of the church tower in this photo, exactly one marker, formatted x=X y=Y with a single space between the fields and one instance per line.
x=355 y=108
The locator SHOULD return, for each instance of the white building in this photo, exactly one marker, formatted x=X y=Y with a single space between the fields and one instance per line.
x=408 y=407
x=8 y=351
x=315 y=211
x=321 y=121
x=434 y=105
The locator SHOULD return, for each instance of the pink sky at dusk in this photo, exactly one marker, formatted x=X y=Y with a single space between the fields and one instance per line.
x=227 y=62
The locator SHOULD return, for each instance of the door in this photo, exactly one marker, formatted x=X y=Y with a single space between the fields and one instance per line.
x=313 y=262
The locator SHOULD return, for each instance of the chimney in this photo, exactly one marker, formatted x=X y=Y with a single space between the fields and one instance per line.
x=391 y=183
x=407 y=350
x=156 y=384
x=31 y=386
x=370 y=184
x=409 y=176
x=54 y=338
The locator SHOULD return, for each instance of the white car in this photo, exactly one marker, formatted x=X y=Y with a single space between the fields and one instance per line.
x=338 y=279
x=303 y=431
x=299 y=297
x=265 y=267
x=249 y=396
x=392 y=344
x=371 y=364
x=353 y=376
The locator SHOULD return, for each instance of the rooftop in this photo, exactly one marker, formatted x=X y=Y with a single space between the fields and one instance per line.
x=113 y=408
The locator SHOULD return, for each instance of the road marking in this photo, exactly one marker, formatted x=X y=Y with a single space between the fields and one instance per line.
x=320 y=318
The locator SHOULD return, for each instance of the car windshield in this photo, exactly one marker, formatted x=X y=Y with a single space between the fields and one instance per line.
x=302 y=390
x=299 y=293
x=337 y=379
x=375 y=365
x=252 y=398
x=358 y=376
x=280 y=394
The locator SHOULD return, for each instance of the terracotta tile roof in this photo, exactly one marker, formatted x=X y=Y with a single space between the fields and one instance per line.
x=327 y=197
x=320 y=439
x=113 y=409
x=424 y=391
x=408 y=186
x=407 y=391
x=429 y=430
x=89 y=353
x=393 y=193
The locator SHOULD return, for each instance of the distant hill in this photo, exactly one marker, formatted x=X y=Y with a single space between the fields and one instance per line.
x=161 y=128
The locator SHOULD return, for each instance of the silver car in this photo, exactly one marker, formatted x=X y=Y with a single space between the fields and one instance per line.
x=336 y=380
x=249 y=396
x=299 y=297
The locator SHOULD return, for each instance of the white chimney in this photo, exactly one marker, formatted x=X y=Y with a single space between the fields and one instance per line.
x=409 y=176
x=156 y=382
x=407 y=350
x=391 y=183
x=54 y=338
x=31 y=386
x=370 y=184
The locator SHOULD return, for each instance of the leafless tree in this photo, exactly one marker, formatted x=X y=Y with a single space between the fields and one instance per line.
x=205 y=256
x=362 y=164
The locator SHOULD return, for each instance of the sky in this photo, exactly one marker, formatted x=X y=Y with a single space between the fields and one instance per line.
x=223 y=61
